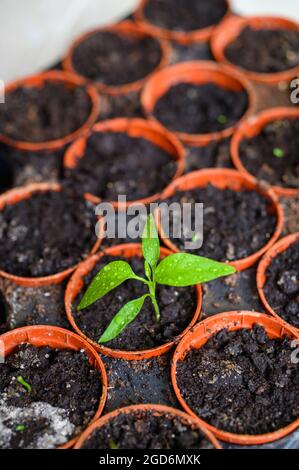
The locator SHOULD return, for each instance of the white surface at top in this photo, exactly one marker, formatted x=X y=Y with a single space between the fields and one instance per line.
x=34 y=34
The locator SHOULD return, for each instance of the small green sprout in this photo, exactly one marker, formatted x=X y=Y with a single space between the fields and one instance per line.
x=26 y=385
x=177 y=270
x=278 y=152
x=20 y=428
x=195 y=237
x=222 y=119
x=113 y=445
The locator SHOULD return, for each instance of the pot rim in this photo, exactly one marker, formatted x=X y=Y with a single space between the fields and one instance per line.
x=198 y=336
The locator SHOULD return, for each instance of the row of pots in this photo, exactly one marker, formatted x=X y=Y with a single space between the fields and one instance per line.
x=63 y=339
x=192 y=72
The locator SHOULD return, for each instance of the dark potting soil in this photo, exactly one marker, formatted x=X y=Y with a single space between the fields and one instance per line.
x=272 y=155
x=177 y=306
x=235 y=224
x=185 y=15
x=147 y=430
x=65 y=393
x=242 y=382
x=115 y=59
x=25 y=167
x=41 y=114
x=117 y=164
x=46 y=234
x=200 y=109
x=213 y=155
x=282 y=284
x=267 y=50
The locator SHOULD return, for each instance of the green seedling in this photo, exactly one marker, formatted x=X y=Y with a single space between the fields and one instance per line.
x=177 y=270
x=113 y=445
x=20 y=428
x=222 y=119
x=278 y=152
x=26 y=385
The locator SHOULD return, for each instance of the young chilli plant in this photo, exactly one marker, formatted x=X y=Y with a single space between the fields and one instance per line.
x=177 y=270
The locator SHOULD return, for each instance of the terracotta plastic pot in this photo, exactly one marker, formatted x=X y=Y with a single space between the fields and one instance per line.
x=231 y=28
x=198 y=73
x=127 y=29
x=134 y=128
x=57 y=338
x=200 y=334
x=223 y=178
x=261 y=276
x=181 y=37
x=20 y=194
x=253 y=127
x=156 y=410
x=76 y=284
x=70 y=81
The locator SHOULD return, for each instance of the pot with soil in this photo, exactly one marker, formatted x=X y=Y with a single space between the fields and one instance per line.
x=234 y=372
x=241 y=220
x=98 y=56
x=199 y=101
x=147 y=427
x=271 y=45
x=54 y=220
x=144 y=337
x=53 y=385
x=131 y=157
x=182 y=21
x=46 y=111
x=266 y=147
x=278 y=280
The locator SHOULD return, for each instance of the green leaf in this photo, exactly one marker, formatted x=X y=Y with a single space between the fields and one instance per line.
x=183 y=269
x=150 y=242
x=111 y=276
x=124 y=316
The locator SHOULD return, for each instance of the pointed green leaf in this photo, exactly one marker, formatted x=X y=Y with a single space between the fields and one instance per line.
x=150 y=242
x=111 y=276
x=126 y=315
x=183 y=269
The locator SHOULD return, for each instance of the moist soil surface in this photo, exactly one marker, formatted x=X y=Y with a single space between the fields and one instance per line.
x=282 y=285
x=44 y=113
x=147 y=430
x=64 y=396
x=177 y=306
x=46 y=234
x=184 y=15
x=200 y=109
x=101 y=56
x=272 y=155
x=242 y=382
x=235 y=224
x=116 y=164
x=267 y=50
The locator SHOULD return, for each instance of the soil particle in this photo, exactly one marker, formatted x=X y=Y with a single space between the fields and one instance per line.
x=100 y=58
x=177 y=307
x=41 y=114
x=282 y=285
x=278 y=145
x=126 y=105
x=64 y=395
x=242 y=382
x=116 y=164
x=184 y=15
x=200 y=109
x=147 y=430
x=236 y=224
x=32 y=241
x=267 y=50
